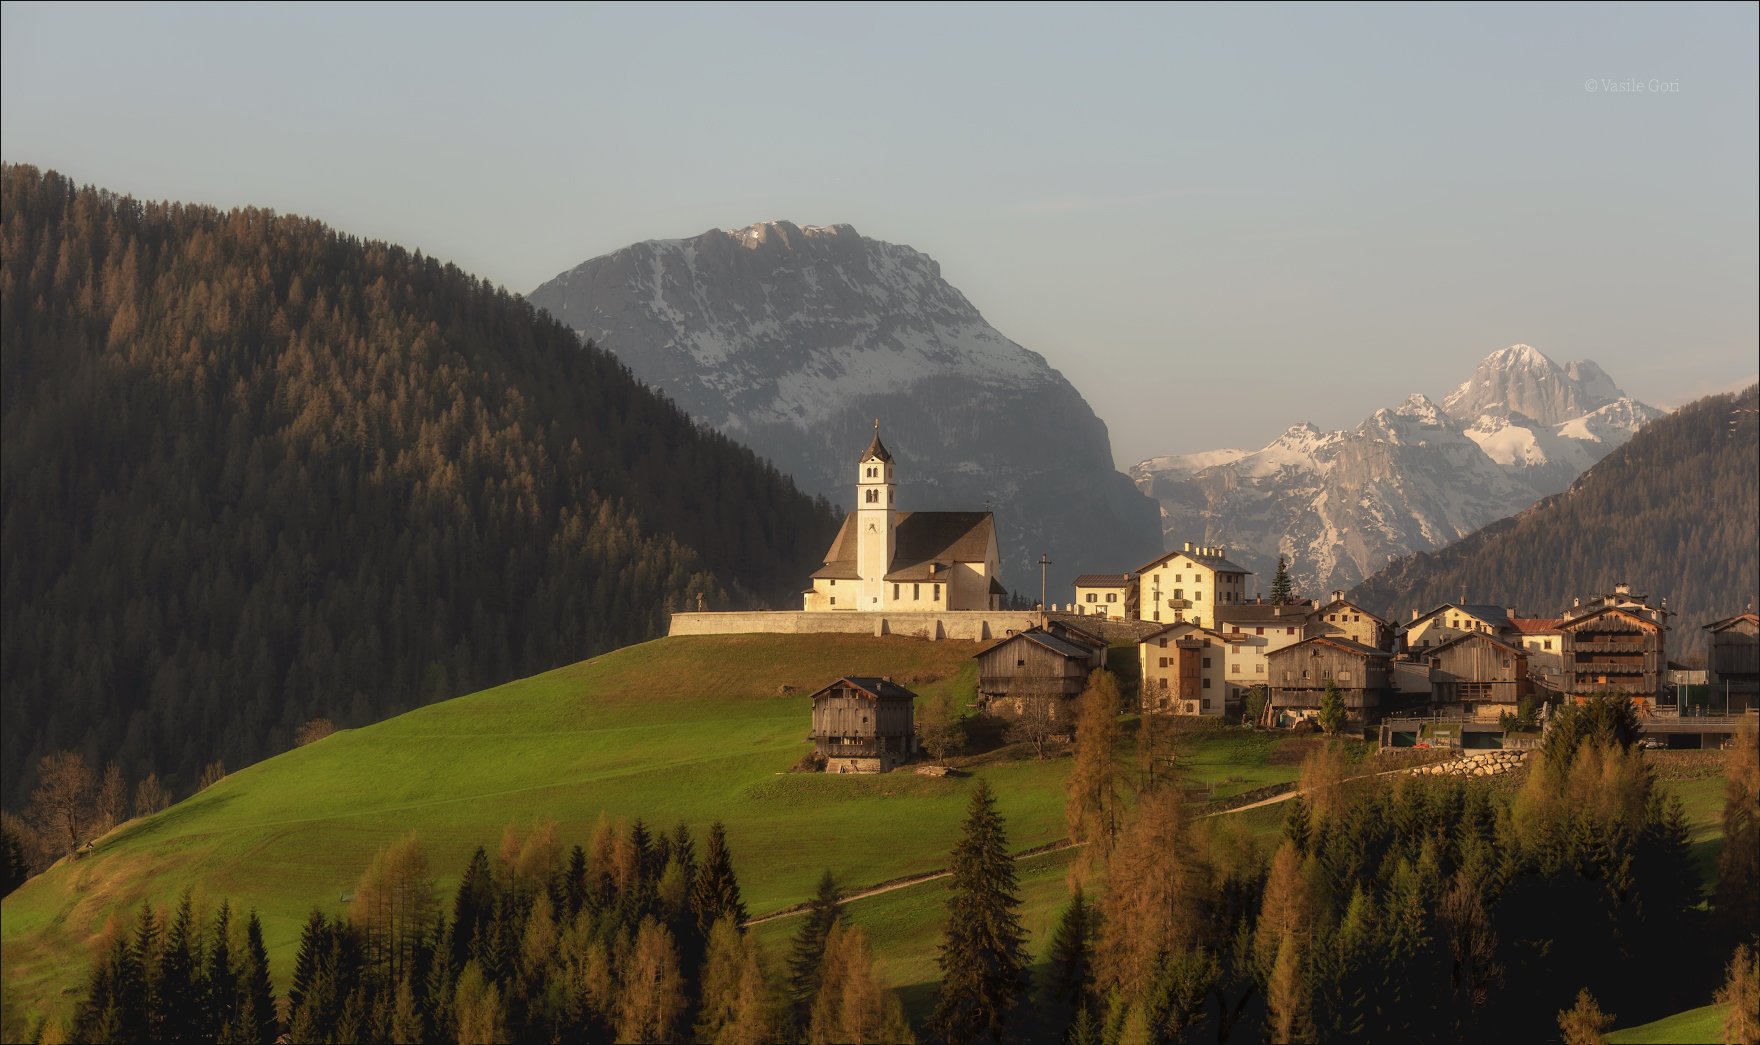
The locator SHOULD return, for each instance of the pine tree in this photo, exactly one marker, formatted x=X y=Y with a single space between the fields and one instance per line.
x=716 y=891
x=1332 y=710
x=220 y=978
x=807 y=954
x=314 y=940
x=257 y=990
x=1070 y=989
x=983 y=956
x=1280 y=586
x=179 y=996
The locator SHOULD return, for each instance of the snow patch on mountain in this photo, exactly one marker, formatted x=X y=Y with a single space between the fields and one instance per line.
x=1410 y=477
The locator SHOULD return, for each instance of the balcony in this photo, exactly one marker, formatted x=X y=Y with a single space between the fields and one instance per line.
x=1634 y=646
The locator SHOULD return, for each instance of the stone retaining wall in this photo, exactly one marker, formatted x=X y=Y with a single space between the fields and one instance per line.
x=970 y=625
x=1483 y=763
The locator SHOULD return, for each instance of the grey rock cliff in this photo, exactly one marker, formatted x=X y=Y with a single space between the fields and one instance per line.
x=794 y=340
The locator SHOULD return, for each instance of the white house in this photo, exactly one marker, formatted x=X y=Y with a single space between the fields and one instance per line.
x=1189 y=585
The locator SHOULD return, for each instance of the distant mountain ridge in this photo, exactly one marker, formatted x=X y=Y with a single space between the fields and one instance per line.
x=1417 y=476
x=1671 y=512
x=795 y=339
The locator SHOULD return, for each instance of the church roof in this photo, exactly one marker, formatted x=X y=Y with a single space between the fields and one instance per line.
x=921 y=540
x=876 y=450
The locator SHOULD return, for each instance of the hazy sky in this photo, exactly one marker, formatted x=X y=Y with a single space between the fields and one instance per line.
x=1215 y=221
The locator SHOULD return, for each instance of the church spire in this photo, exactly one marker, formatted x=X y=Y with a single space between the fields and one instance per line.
x=876 y=450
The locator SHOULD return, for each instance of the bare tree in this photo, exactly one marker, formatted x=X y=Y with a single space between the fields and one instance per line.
x=150 y=796
x=1036 y=724
x=61 y=806
x=940 y=727
x=112 y=804
x=212 y=774
x=315 y=730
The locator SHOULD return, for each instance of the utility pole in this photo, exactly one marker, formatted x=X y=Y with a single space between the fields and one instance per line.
x=1044 y=561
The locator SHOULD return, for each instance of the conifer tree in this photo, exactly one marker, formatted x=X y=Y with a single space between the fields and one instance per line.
x=651 y=1004
x=179 y=996
x=1332 y=710
x=716 y=891
x=983 y=954
x=220 y=988
x=1092 y=807
x=736 y=1005
x=1070 y=989
x=1737 y=895
x=807 y=954
x=257 y=992
x=1584 y=1023
x=852 y=1004
x=1280 y=586
x=313 y=941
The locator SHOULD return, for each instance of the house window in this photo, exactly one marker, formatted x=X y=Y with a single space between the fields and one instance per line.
x=1112 y=596
x=1259 y=668
x=1258 y=631
x=916 y=591
x=895 y=591
x=1092 y=598
x=834 y=598
x=1236 y=628
x=1163 y=641
x=1289 y=631
x=1021 y=663
x=1206 y=699
x=1206 y=664
x=937 y=593
x=1164 y=662
x=1206 y=683
x=1237 y=668
x=1548 y=643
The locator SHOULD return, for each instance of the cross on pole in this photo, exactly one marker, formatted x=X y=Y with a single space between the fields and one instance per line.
x=1044 y=561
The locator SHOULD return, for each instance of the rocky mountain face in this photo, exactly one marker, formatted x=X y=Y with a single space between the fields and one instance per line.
x=1411 y=478
x=794 y=340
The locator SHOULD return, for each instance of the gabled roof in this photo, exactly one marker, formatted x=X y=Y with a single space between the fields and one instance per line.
x=1214 y=562
x=1477 y=636
x=1635 y=614
x=919 y=540
x=1055 y=643
x=1729 y=622
x=1344 y=644
x=1103 y=580
x=1292 y=612
x=1534 y=625
x=1356 y=607
x=1496 y=616
x=1077 y=634
x=1176 y=625
x=875 y=687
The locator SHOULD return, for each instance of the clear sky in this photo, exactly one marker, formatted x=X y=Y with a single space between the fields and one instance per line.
x=1216 y=221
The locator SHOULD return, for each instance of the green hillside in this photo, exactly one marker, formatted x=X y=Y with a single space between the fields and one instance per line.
x=1704 y=1024
x=688 y=729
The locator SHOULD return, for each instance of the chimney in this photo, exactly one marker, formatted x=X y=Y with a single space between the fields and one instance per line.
x=1622 y=588
x=1338 y=596
x=1414 y=614
x=1188 y=546
x=1510 y=612
x=1576 y=602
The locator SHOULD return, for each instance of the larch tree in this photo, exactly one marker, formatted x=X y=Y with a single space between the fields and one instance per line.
x=1584 y=1023
x=1153 y=909
x=1737 y=895
x=394 y=905
x=853 y=1004
x=651 y=1005
x=1740 y=996
x=111 y=805
x=983 y=955
x=1092 y=805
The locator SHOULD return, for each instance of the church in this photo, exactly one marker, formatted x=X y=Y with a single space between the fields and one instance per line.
x=885 y=559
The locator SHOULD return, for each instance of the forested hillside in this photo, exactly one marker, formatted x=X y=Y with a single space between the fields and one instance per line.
x=1673 y=512
x=256 y=472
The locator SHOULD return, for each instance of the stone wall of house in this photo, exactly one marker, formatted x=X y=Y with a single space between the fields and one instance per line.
x=855 y=765
x=972 y=626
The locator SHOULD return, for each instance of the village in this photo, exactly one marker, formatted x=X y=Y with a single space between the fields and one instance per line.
x=1466 y=674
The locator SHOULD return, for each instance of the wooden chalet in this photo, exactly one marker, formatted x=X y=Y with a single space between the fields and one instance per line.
x=1484 y=676
x=1616 y=645
x=1299 y=674
x=1344 y=619
x=863 y=724
x=1034 y=663
x=1733 y=668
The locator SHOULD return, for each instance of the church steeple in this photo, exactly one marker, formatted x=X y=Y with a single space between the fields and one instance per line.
x=876 y=540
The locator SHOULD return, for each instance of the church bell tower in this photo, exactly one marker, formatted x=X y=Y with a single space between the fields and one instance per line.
x=875 y=532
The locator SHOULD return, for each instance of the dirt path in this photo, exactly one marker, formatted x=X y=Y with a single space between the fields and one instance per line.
x=905 y=883
x=1055 y=847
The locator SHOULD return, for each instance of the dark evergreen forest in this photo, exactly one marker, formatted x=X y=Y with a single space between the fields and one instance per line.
x=257 y=472
x=1673 y=513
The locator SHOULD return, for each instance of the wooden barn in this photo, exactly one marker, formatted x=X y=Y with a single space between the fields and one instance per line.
x=1484 y=676
x=1033 y=664
x=863 y=724
x=1616 y=647
x=1735 y=660
x=1299 y=674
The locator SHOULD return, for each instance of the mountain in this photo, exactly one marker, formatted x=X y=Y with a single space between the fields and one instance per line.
x=1521 y=380
x=794 y=339
x=258 y=472
x=1671 y=512
x=1414 y=477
